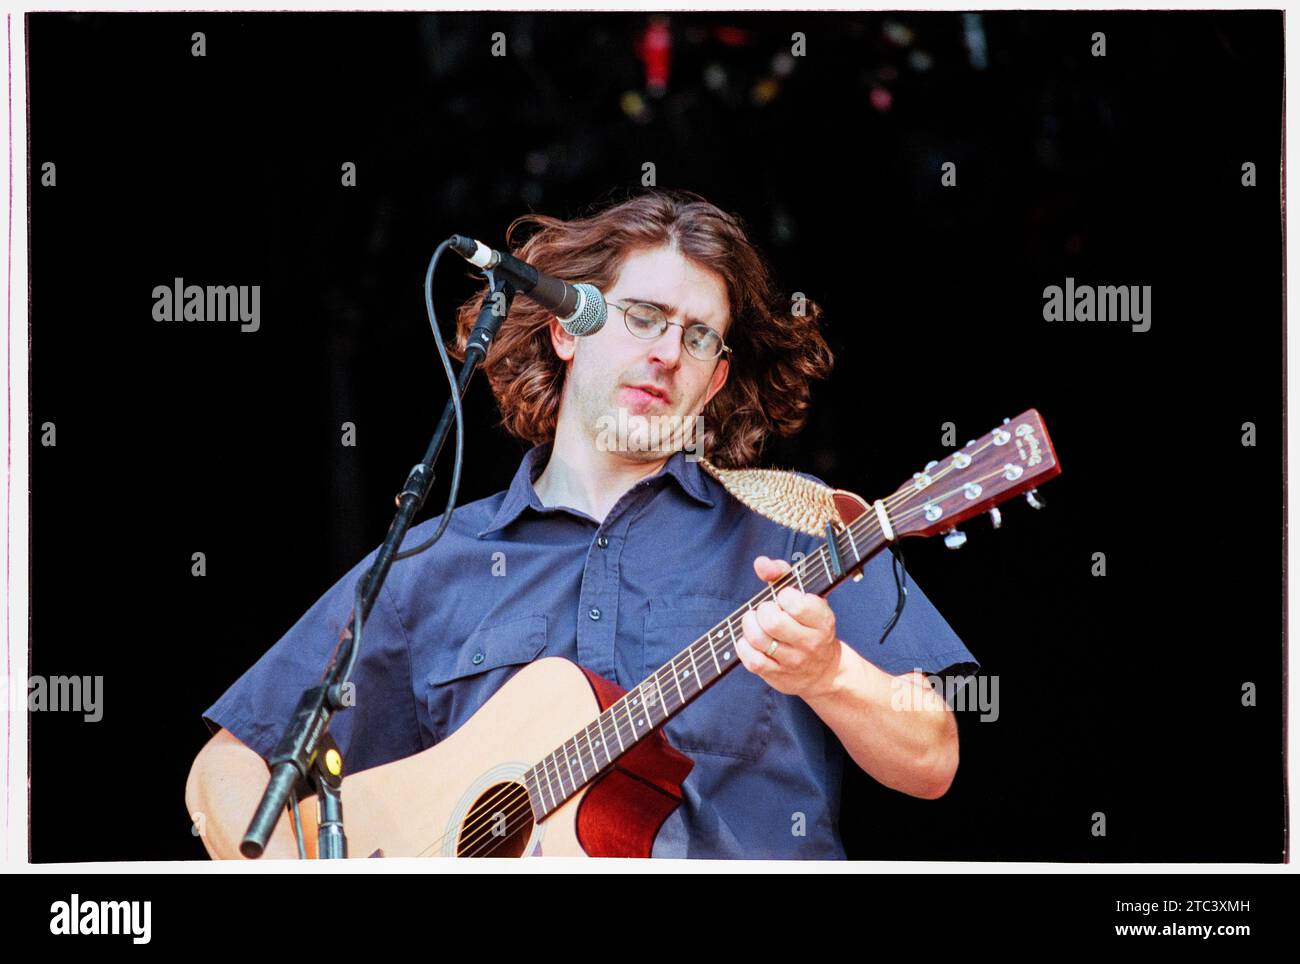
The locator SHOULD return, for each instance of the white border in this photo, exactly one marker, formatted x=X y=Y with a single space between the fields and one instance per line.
x=14 y=488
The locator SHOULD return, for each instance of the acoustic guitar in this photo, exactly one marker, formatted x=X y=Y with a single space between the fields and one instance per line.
x=562 y=762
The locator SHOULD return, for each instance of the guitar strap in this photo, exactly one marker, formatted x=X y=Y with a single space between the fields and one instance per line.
x=784 y=497
x=801 y=504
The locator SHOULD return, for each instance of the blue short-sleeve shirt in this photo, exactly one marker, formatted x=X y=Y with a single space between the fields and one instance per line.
x=512 y=581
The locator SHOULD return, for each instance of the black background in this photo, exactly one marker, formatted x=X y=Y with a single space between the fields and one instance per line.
x=1119 y=694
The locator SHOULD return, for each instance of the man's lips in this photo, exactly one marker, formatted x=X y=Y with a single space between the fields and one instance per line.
x=651 y=390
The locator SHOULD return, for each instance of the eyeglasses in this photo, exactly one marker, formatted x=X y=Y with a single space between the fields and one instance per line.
x=647 y=321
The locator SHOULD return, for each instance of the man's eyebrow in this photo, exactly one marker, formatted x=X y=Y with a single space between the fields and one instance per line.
x=666 y=309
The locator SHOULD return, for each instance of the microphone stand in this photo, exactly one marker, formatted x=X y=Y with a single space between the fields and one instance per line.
x=306 y=760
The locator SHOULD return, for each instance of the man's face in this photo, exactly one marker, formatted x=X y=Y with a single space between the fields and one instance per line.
x=647 y=385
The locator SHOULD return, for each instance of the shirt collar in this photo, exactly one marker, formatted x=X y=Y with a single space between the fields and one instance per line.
x=521 y=494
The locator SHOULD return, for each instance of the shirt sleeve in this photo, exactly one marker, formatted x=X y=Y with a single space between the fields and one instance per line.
x=922 y=638
x=381 y=725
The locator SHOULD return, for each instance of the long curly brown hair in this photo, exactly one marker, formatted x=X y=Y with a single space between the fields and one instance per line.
x=777 y=347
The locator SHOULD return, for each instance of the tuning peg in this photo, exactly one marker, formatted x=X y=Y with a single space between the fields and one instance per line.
x=995 y=514
x=954 y=538
x=1032 y=498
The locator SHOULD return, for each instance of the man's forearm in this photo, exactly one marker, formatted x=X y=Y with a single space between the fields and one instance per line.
x=222 y=792
x=905 y=738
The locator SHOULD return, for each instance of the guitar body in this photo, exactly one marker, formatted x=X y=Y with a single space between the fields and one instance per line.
x=462 y=797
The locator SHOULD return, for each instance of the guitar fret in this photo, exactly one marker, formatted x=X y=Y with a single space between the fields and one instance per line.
x=545 y=788
x=825 y=565
x=559 y=775
x=546 y=772
x=795 y=573
x=633 y=700
x=646 y=694
x=713 y=651
x=578 y=753
x=566 y=787
x=680 y=694
x=534 y=798
x=593 y=743
x=694 y=667
x=658 y=686
x=565 y=747
x=641 y=693
x=853 y=545
x=604 y=740
x=617 y=735
x=612 y=712
x=568 y=765
x=645 y=712
x=631 y=719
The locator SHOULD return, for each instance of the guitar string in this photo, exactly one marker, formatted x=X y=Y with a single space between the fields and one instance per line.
x=900 y=496
x=475 y=839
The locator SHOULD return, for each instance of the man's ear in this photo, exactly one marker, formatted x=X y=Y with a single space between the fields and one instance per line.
x=720 y=372
x=564 y=343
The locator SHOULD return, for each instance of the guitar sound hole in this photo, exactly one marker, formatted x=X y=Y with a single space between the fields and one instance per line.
x=498 y=824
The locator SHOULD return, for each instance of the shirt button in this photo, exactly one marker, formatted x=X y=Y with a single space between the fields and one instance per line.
x=603 y=542
x=594 y=614
x=477 y=658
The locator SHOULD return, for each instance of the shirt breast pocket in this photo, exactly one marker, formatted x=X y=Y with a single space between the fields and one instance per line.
x=467 y=676
x=733 y=717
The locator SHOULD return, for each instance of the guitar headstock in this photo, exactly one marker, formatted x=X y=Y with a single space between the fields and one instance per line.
x=1013 y=458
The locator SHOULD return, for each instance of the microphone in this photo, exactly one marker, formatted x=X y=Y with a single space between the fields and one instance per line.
x=580 y=309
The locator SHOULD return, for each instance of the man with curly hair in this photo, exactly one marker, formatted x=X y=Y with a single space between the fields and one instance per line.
x=615 y=548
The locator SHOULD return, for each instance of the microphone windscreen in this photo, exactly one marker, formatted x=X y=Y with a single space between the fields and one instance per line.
x=589 y=316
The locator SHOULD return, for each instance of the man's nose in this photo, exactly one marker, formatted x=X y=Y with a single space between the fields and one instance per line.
x=667 y=348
